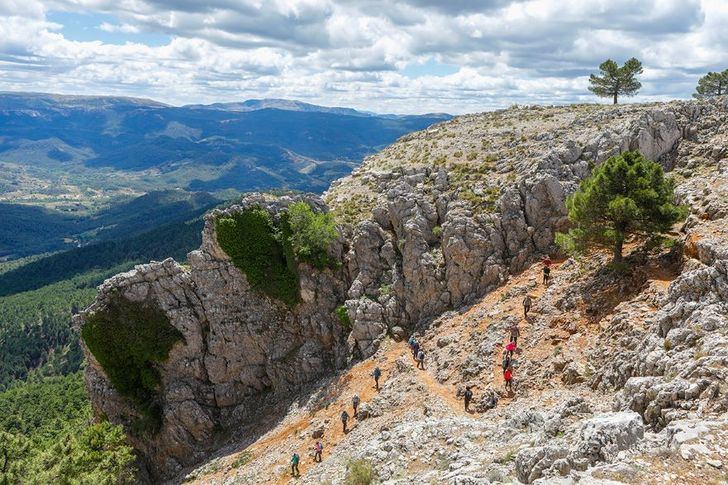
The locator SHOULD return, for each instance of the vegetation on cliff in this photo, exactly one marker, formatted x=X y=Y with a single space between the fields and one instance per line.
x=268 y=251
x=626 y=194
x=312 y=233
x=262 y=251
x=128 y=339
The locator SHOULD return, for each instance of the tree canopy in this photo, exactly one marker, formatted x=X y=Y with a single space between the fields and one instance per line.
x=625 y=194
x=614 y=81
x=712 y=84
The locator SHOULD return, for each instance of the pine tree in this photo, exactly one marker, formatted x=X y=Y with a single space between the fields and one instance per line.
x=614 y=80
x=712 y=84
x=627 y=194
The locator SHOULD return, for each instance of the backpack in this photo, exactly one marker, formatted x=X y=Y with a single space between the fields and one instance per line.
x=468 y=394
x=420 y=355
x=295 y=459
x=377 y=373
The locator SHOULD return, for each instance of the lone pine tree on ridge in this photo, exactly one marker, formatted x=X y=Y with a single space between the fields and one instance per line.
x=614 y=80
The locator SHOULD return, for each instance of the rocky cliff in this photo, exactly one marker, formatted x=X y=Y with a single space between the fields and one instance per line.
x=435 y=223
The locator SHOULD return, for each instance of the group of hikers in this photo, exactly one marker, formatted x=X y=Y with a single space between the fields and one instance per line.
x=417 y=353
x=419 y=356
x=514 y=333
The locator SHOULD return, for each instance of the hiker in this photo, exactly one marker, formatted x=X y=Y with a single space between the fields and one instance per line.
x=468 y=396
x=515 y=333
x=421 y=360
x=508 y=377
x=527 y=305
x=415 y=350
x=411 y=342
x=546 y=260
x=294 y=465
x=318 y=448
x=355 y=403
x=510 y=348
x=506 y=360
x=344 y=419
x=377 y=374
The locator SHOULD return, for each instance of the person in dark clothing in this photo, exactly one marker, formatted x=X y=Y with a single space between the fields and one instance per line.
x=415 y=350
x=506 y=360
x=294 y=465
x=468 y=396
x=421 y=360
x=355 y=403
x=546 y=274
x=344 y=419
x=377 y=374
x=515 y=333
x=527 y=305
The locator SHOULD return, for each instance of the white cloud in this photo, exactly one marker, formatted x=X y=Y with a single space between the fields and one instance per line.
x=122 y=28
x=352 y=52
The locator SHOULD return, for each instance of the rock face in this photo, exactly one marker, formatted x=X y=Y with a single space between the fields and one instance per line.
x=447 y=227
x=240 y=350
x=433 y=223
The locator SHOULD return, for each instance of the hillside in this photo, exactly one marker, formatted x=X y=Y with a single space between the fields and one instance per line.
x=76 y=153
x=27 y=229
x=619 y=376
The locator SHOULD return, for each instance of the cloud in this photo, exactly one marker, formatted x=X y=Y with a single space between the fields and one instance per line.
x=356 y=52
x=122 y=28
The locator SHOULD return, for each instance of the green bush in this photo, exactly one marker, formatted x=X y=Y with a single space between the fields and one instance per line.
x=312 y=234
x=359 y=472
x=127 y=339
x=262 y=251
x=343 y=315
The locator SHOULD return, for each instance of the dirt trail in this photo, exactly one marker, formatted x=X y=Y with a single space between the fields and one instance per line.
x=357 y=380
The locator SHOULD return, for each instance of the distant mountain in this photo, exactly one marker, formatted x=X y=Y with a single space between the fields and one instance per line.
x=54 y=147
x=281 y=104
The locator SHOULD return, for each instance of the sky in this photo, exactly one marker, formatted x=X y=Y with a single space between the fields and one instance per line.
x=404 y=56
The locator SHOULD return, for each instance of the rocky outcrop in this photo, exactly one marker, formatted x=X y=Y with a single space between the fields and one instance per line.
x=241 y=351
x=442 y=234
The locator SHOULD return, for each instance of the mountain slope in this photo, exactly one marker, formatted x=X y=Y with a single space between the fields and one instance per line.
x=27 y=230
x=438 y=238
x=60 y=150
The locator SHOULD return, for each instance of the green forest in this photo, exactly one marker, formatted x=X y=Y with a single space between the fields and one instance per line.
x=46 y=426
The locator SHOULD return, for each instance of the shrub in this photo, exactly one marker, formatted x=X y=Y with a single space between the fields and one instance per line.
x=262 y=251
x=359 y=472
x=312 y=234
x=242 y=459
x=127 y=339
x=437 y=231
x=343 y=315
x=627 y=194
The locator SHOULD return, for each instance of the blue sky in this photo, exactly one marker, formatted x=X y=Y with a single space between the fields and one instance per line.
x=407 y=56
x=89 y=26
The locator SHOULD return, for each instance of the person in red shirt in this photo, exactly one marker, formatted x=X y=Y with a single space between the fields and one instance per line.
x=510 y=348
x=508 y=377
